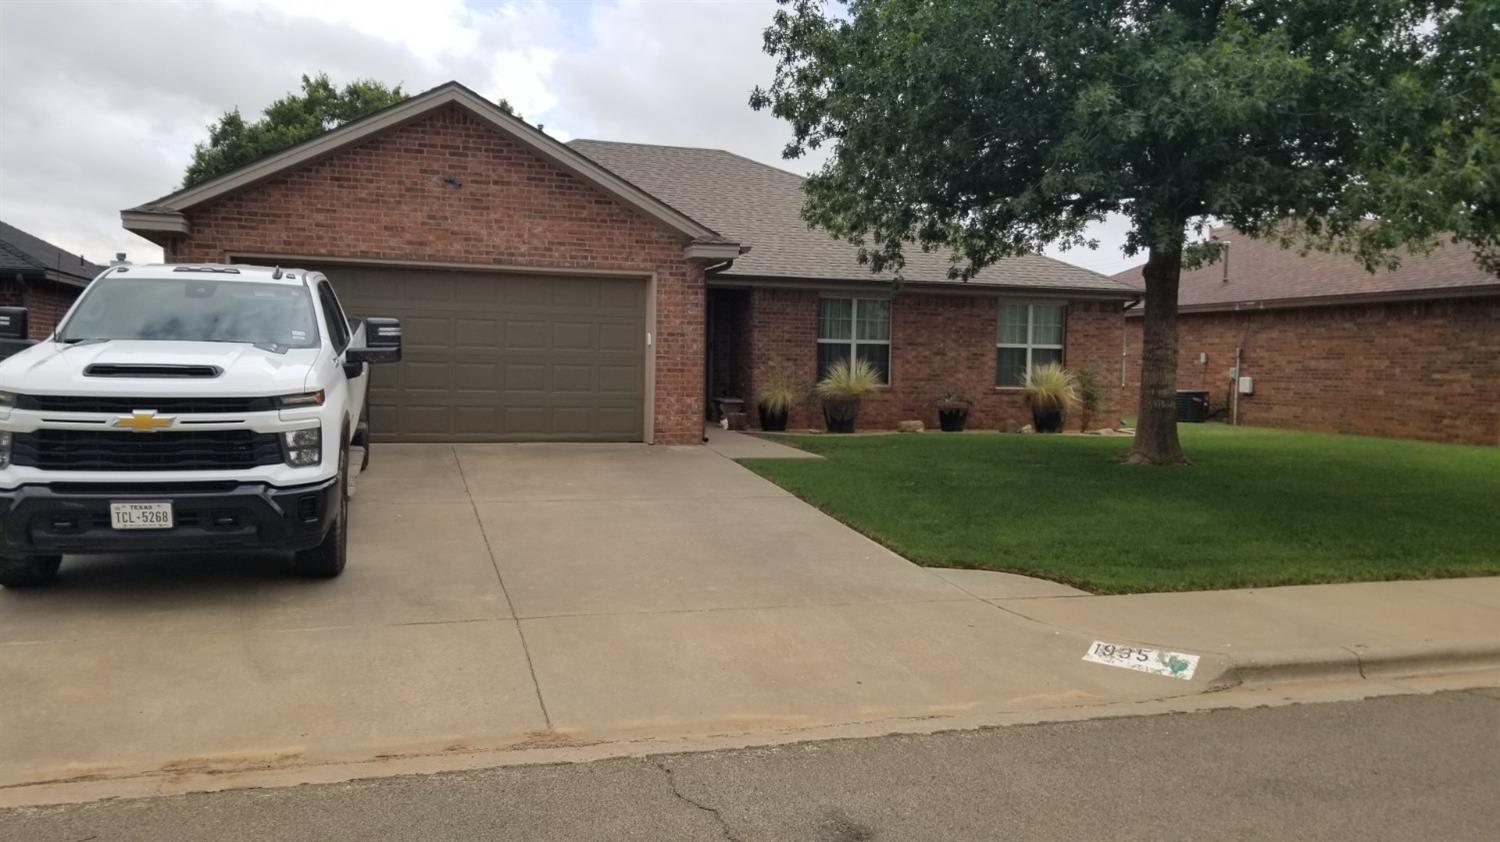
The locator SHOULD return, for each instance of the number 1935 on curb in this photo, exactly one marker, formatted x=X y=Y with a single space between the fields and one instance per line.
x=1142 y=659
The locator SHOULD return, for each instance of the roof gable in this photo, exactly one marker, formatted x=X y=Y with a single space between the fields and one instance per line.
x=165 y=215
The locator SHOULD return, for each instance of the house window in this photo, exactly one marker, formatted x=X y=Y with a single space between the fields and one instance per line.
x=854 y=328
x=1030 y=335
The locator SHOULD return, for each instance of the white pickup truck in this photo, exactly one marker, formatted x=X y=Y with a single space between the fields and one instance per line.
x=186 y=408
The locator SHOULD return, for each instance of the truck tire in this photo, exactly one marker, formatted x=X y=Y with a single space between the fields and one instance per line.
x=327 y=559
x=29 y=571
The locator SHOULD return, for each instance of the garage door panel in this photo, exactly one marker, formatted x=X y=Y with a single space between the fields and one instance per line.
x=574 y=296
x=627 y=299
x=573 y=336
x=619 y=380
x=620 y=338
x=480 y=334
x=524 y=335
x=418 y=374
x=475 y=421
x=498 y=357
x=426 y=333
x=476 y=377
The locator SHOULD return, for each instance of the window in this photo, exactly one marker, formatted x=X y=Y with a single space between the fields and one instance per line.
x=333 y=317
x=1030 y=335
x=855 y=328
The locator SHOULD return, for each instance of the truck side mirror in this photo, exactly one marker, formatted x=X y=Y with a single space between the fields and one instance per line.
x=382 y=343
x=13 y=322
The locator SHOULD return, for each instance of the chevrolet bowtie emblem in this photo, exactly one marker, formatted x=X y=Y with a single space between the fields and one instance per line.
x=145 y=421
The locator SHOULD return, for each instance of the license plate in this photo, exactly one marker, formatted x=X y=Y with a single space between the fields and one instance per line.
x=140 y=515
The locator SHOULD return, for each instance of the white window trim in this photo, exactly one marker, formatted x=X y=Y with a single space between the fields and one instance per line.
x=853 y=342
x=1030 y=344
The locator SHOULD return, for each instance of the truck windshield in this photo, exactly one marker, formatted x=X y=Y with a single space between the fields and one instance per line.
x=278 y=315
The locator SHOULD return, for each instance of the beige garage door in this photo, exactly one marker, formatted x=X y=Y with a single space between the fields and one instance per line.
x=497 y=357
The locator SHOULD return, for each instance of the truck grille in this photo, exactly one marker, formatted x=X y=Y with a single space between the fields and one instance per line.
x=167 y=406
x=87 y=450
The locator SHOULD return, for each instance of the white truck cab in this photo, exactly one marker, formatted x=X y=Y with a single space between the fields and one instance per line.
x=184 y=408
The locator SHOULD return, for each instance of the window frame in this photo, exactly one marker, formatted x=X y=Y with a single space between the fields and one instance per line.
x=1030 y=344
x=340 y=334
x=853 y=342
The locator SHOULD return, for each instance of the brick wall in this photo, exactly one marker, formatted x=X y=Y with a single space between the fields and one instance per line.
x=1428 y=370
x=47 y=302
x=387 y=199
x=939 y=343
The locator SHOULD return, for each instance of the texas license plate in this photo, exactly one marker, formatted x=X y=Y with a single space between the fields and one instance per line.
x=140 y=515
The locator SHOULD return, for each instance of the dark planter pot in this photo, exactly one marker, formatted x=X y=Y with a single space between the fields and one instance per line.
x=1047 y=420
x=772 y=422
x=840 y=416
x=953 y=420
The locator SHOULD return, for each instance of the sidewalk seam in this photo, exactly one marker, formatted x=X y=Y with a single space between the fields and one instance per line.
x=494 y=563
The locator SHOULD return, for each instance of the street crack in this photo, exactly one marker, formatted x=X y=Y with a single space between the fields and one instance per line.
x=683 y=797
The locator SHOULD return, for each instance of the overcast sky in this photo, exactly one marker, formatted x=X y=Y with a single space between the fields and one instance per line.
x=102 y=100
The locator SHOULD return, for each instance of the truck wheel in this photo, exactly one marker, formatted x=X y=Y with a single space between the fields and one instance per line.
x=327 y=559
x=29 y=571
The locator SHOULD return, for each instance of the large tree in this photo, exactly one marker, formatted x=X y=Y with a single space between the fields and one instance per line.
x=233 y=143
x=996 y=127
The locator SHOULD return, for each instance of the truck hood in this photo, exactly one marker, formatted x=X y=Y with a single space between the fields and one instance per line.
x=50 y=368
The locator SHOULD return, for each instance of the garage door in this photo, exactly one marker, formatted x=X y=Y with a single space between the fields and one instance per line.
x=497 y=357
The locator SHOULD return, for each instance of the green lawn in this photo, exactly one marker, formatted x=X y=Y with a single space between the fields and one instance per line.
x=1257 y=507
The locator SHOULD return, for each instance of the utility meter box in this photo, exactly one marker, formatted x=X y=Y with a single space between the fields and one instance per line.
x=1247 y=385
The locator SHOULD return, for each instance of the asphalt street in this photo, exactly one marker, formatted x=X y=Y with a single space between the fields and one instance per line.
x=1407 y=767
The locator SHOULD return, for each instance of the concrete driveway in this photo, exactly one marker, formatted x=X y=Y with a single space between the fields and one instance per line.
x=515 y=596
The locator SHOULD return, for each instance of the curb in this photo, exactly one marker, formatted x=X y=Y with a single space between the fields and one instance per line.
x=1275 y=667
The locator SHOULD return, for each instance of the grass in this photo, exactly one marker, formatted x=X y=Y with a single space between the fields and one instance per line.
x=1257 y=507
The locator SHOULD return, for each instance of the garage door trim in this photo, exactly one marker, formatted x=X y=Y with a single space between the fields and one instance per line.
x=648 y=422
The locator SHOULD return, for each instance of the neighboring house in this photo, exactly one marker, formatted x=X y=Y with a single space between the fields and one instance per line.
x=556 y=291
x=1329 y=346
x=41 y=277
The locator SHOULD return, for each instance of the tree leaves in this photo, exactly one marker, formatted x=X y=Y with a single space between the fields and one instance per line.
x=233 y=143
x=997 y=126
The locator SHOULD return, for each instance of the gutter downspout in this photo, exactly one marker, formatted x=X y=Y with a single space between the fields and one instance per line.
x=1234 y=390
x=1125 y=340
x=708 y=328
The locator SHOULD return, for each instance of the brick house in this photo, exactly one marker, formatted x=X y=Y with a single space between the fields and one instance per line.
x=1329 y=346
x=607 y=291
x=40 y=277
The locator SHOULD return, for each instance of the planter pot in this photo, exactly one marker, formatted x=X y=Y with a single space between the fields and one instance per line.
x=772 y=422
x=1047 y=420
x=840 y=416
x=953 y=420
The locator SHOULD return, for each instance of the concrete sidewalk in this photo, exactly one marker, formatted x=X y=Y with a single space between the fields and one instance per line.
x=1311 y=632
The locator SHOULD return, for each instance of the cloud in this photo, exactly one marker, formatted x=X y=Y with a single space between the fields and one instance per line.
x=103 y=101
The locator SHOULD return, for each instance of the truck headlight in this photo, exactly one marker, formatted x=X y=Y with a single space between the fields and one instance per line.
x=4 y=448
x=304 y=447
x=297 y=401
x=7 y=400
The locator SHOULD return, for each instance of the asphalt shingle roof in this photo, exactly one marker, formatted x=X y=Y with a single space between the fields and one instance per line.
x=21 y=252
x=1262 y=271
x=760 y=206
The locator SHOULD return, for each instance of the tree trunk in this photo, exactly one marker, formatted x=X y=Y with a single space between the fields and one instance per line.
x=1156 y=427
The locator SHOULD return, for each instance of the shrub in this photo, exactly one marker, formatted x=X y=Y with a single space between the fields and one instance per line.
x=953 y=400
x=845 y=382
x=1051 y=386
x=777 y=396
x=1090 y=396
